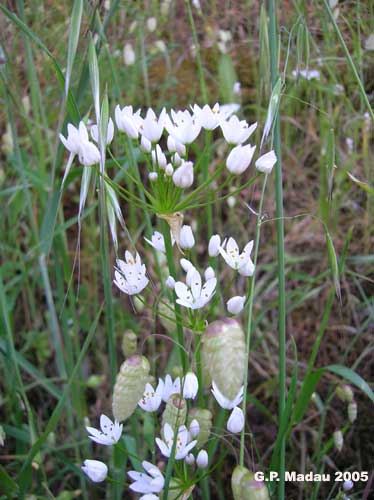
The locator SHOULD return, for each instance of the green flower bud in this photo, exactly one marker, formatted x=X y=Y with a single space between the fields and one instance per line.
x=224 y=352
x=177 y=490
x=352 y=411
x=245 y=487
x=129 y=343
x=345 y=393
x=338 y=440
x=175 y=412
x=167 y=315
x=204 y=417
x=129 y=386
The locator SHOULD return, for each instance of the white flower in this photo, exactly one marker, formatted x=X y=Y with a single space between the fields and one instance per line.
x=266 y=162
x=207 y=117
x=190 y=459
x=128 y=54
x=97 y=471
x=151 y=399
x=110 y=432
x=226 y=110
x=224 y=402
x=168 y=387
x=235 y=304
x=248 y=269
x=186 y=238
x=348 y=485
x=194 y=296
x=170 y=282
x=209 y=273
x=214 y=244
x=152 y=176
x=308 y=74
x=236 y=131
x=190 y=386
x=182 y=447
x=183 y=176
x=158 y=158
x=194 y=428
x=152 y=126
x=202 y=459
x=127 y=121
x=77 y=142
x=239 y=159
x=175 y=146
x=130 y=277
x=149 y=496
x=235 y=422
x=109 y=133
x=231 y=254
x=151 y=482
x=145 y=145
x=183 y=127
x=157 y=241
x=151 y=24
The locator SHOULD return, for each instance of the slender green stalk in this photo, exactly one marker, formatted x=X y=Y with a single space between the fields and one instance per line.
x=350 y=62
x=200 y=68
x=273 y=44
x=249 y=322
x=172 y=270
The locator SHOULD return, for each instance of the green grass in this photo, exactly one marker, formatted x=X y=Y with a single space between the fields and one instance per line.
x=61 y=320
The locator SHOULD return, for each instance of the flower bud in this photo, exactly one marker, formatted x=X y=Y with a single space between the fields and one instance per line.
x=97 y=471
x=167 y=315
x=187 y=239
x=190 y=386
x=159 y=158
x=152 y=176
x=338 y=440
x=202 y=459
x=194 y=428
x=352 y=411
x=245 y=487
x=175 y=412
x=209 y=273
x=151 y=24
x=178 y=491
x=129 y=55
x=214 y=244
x=145 y=145
x=347 y=485
x=266 y=162
x=169 y=170
x=204 y=418
x=129 y=343
x=235 y=304
x=183 y=176
x=224 y=353
x=235 y=422
x=239 y=159
x=177 y=160
x=170 y=282
x=129 y=386
x=345 y=393
x=190 y=459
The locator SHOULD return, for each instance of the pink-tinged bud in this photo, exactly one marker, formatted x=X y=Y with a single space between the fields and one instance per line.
x=235 y=304
x=187 y=239
x=190 y=459
x=97 y=471
x=170 y=282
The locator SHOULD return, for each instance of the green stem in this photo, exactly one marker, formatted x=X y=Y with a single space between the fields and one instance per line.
x=249 y=322
x=273 y=44
x=172 y=271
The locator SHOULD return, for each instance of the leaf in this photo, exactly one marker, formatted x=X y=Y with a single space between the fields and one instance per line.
x=272 y=110
x=75 y=25
x=48 y=224
x=94 y=77
x=333 y=260
x=308 y=387
x=353 y=377
x=7 y=485
x=363 y=185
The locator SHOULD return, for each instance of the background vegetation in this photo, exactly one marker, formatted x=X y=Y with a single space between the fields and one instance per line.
x=52 y=338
